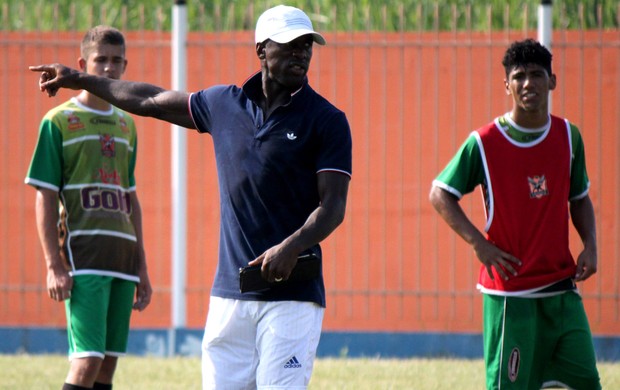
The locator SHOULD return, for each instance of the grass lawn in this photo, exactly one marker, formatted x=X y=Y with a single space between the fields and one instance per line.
x=181 y=373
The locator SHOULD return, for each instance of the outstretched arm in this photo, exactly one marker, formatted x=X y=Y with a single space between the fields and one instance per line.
x=582 y=215
x=490 y=256
x=135 y=97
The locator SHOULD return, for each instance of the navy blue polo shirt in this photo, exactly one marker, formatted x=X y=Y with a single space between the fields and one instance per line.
x=267 y=172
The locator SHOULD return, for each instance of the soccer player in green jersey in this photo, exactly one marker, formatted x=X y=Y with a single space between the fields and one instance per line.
x=89 y=218
x=531 y=168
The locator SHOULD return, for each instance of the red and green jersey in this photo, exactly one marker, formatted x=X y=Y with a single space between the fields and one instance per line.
x=527 y=177
x=89 y=157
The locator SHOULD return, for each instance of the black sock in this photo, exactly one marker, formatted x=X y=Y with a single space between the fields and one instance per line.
x=102 y=386
x=68 y=386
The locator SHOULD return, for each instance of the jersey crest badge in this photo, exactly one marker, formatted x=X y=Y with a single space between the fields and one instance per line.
x=108 y=145
x=538 y=186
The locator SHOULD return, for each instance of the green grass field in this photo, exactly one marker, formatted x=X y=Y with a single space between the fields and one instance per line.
x=43 y=372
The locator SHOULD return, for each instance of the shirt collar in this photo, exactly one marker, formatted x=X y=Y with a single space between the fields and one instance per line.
x=253 y=86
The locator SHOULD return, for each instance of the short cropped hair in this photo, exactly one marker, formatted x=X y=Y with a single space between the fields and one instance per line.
x=528 y=51
x=100 y=35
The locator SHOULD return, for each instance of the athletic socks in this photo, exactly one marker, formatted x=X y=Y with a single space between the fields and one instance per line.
x=97 y=386
x=68 y=386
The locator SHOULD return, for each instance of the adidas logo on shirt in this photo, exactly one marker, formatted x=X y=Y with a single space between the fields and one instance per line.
x=293 y=363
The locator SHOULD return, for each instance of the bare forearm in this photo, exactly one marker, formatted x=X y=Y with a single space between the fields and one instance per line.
x=46 y=210
x=489 y=255
x=135 y=97
x=143 y=290
x=136 y=219
x=319 y=225
x=448 y=208
x=59 y=282
x=333 y=190
x=582 y=215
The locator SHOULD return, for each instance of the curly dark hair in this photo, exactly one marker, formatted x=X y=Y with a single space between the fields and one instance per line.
x=528 y=51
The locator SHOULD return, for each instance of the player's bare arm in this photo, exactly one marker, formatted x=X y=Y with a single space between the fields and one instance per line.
x=490 y=256
x=135 y=97
x=59 y=282
x=279 y=261
x=144 y=291
x=582 y=215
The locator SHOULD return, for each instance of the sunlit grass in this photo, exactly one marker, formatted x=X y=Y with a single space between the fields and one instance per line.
x=181 y=373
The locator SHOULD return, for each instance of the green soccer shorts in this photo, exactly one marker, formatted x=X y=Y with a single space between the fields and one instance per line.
x=98 y=315
x=532 y=343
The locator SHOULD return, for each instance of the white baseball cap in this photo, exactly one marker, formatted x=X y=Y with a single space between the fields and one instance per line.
x=283 y=24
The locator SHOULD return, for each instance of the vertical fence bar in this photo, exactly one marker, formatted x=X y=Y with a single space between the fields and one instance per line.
x=616 y=289
x=351 y=266
x=470 y=258
x=602 y=233
x=401 y=155
x=452 y=241
x=367 y=131
x=419 y=159
x=433 y=296
x=5 y=219
x=384 y=166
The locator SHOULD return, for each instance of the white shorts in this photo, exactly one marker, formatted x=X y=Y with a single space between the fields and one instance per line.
x=260 y=345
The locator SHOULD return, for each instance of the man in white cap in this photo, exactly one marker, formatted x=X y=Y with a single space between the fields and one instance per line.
x=284 y=159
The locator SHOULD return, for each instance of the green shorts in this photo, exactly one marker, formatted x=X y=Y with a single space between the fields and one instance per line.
x=532 y=343
x=98 y=314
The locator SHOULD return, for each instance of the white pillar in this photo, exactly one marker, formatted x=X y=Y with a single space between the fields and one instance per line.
x=545 y=27
x=545 y=22
x=179 y=177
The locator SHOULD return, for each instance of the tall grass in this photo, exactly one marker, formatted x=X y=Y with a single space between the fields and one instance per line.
x=180 y=373
x=332 y=15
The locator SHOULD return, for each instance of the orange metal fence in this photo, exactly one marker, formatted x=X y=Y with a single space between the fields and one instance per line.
x=411 y=99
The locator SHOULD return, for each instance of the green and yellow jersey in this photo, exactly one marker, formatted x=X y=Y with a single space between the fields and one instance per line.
x=89 y=157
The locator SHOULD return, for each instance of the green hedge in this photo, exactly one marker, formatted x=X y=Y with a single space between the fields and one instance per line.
x=328 y=15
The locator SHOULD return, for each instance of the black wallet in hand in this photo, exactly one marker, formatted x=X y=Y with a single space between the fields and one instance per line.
x=308 y=267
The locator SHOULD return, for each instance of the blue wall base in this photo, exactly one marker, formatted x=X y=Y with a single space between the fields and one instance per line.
x=186 y=342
